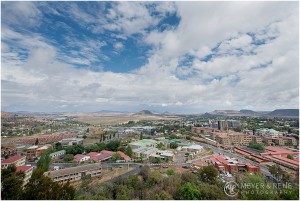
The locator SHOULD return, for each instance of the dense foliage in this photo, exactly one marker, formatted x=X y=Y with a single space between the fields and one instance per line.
x=168 y=185
x=256 y=146
x=39 y=187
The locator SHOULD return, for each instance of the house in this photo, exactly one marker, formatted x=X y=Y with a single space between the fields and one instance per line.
x=8 y=150
x=16 y=160
x=56 y=155
x=124 y=156
x=31 y=152
x=164 y=155
x=36 y=151
x=43 y=149
x=144 y=152
x=143 y=143
x=70 y=142
x=231 y=165
x=102 y=156
x=28 y=172
x=72 y=174
x=81 y=158
x=192 y=148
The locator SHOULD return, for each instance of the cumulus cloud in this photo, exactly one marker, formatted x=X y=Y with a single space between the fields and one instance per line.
x=227 y=55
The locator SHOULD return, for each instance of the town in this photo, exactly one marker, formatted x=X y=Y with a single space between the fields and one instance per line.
x=96 y=153
x=149 y=100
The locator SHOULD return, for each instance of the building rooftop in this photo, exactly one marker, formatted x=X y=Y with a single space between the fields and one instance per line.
x=144 y=142
x=79 y=156
x=33 y=147
x=24 y=168
x=12 y=159
x=58 y=152
x=72 y=170
x=126 y=158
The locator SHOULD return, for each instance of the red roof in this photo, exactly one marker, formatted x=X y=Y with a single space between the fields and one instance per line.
x=103 y=155
x=107 y=152
x=92 y=154
x=79 y=156
x=12 y=159
x=23 y=168
x=126 y=158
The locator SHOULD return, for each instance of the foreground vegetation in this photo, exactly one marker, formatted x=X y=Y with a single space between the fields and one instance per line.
x=154 y=185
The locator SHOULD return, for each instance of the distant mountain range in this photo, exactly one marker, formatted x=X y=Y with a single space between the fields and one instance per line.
x=285 y=112
x=215 y=113
x=243 y=112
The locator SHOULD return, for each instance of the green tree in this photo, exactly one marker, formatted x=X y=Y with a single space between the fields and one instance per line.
x=129 y=151
x=189 y=191
x=290 y=156
x=113 y=145
x=101 y=146
x=256 y=146
x=291 y=193
x=160 y=145
x=58 y=146
x=44 y=162
x=116 y=156
x=173 y=145
x=41 y=187
x=36 y=141
x=257 y=188
x=11 y=183
x=208 y=174
x=211 y=192
x=85 y=181
x=157 y=160
x=123 y=192
x=163 y=195
x=170 y=172
x=75 y=149
x=68 y=157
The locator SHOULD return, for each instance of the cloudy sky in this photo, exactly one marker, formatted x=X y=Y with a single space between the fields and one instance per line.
x=161 y=56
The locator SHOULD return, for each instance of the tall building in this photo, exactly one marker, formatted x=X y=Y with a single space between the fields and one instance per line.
x=234 y=123
x=222 y=125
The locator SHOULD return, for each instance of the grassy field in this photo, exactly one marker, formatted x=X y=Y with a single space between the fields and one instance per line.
x=112 y=120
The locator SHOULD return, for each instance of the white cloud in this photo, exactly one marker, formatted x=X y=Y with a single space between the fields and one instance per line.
x=227 y=81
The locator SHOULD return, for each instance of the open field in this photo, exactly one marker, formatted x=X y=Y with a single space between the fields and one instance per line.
x=118 y=119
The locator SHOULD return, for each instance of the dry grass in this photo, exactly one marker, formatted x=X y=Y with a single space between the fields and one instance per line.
x=119 y=119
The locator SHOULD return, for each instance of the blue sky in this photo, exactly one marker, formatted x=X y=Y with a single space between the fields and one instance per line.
x=162 y=56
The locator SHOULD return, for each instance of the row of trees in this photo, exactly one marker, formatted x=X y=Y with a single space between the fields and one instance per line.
x=205 y=184
x=111 y=146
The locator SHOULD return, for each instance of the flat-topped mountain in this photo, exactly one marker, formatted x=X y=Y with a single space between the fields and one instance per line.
x=285 y=112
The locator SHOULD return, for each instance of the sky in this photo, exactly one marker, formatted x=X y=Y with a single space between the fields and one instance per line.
x=185 y=57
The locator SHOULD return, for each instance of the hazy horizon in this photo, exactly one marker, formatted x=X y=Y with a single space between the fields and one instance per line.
x=181 y=57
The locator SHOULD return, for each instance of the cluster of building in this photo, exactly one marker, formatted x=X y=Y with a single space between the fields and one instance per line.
x=227 y=164
x=102 y=156
x=36 y=151
x=19 y=162
x=273 y=154
x=147 y=149
x=230 y=138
